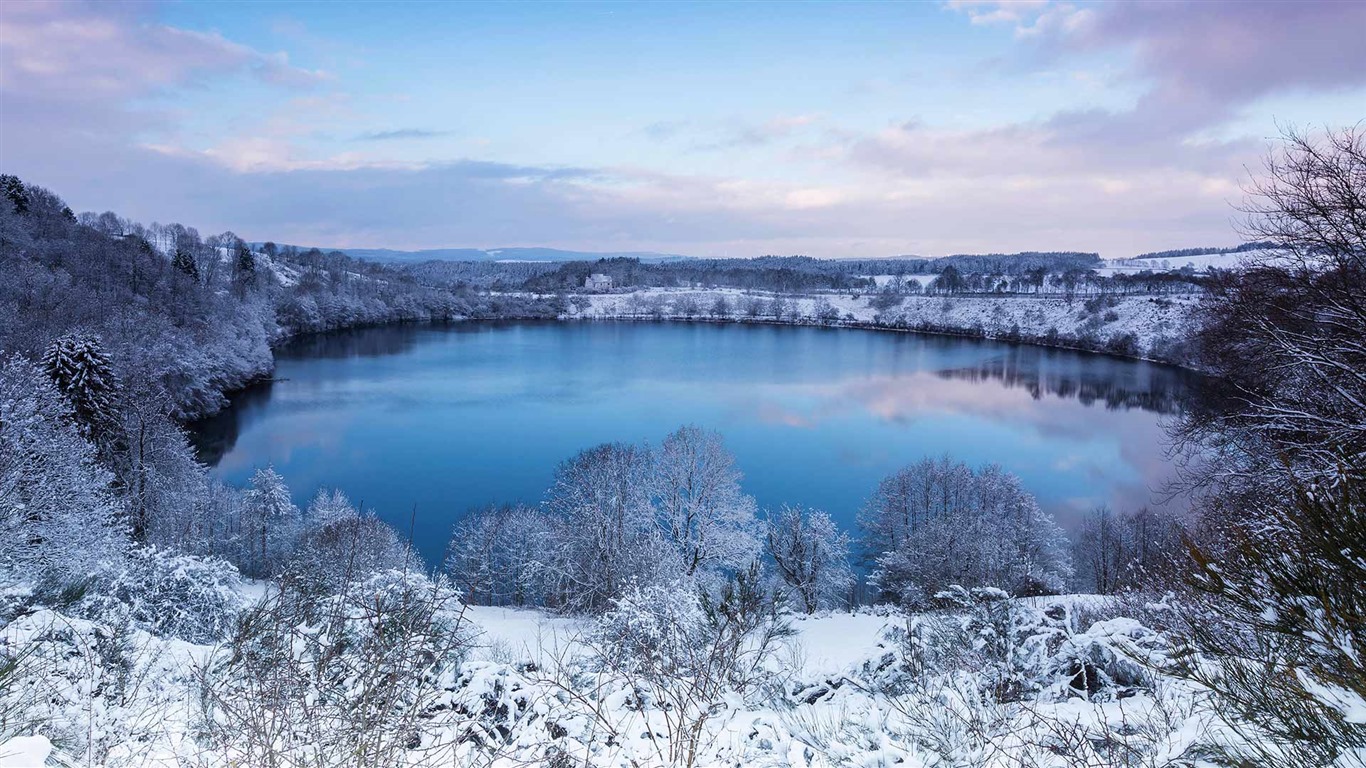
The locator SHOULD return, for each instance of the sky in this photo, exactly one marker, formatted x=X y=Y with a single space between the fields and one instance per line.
x=708 y=129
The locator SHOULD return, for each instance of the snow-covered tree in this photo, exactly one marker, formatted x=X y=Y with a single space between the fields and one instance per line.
x=58 y=520
x=156 y=470
x=811 y=555
x=270 y=522
x=329 y=506
x=83 y=372
x=184 y=261
x=503 y=555
x=345 y=550
x=1115 y=552
x=610 y=535
x=704 y=515
x=938 y=522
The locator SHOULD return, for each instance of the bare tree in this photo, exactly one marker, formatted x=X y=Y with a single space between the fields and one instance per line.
x=1286 y=339
x=602 y=496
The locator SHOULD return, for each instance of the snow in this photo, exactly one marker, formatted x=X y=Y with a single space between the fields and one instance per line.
x=831 y=643
x=1202 y=263
x=25 y=752
x=826 y=706
x=513 y=635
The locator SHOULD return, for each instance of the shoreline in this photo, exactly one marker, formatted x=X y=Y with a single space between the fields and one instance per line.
x=802 y=323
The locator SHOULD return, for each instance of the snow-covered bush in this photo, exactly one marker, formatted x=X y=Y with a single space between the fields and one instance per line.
x=656 y=630
x=681 y=658
x=348 y=680
x=107 y=693
x=1018 y=651
x=169 y=594
x=1109 y=659
x=340 y=546
x=1279 y=626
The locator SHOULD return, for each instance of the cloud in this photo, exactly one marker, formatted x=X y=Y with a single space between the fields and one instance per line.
x=82 y=114
x=1201 y=61
x=82 y=50
x=744 y=135
x=401 y=133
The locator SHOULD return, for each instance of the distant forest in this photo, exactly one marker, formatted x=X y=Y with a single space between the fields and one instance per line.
x=1182 y=253
x=773 y=273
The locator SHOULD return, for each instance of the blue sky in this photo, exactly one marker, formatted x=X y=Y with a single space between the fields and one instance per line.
x=833 y=129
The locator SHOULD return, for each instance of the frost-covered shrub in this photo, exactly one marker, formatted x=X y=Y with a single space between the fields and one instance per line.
x=99 y=691
x=1016 y=650
x=347 y=549
x=168 y=594
x=683 y=656
x=656 y=629
x=349 y=680
x=1110 y=657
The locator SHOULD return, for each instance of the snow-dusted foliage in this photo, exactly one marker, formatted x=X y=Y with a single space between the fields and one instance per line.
x=167 y=594
x=611 y=537
x=657 y=629
x=82 y=371
x=340 y=544
x=270 y=522
x=1281 y=628
x=504 y=555
x=937 y=522
x=615 y=515
x=811 y=556
x=58 y=520
x=352 y=679
x=705 y=516
x=104 y=694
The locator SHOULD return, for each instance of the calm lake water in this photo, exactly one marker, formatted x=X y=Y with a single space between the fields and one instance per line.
x=445 y=418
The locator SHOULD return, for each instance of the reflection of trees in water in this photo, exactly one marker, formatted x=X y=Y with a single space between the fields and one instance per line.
x=213 y=437
x=1089 y=379
x=361 y=342
x=379 y=341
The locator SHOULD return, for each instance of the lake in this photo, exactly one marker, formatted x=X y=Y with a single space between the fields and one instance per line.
x=421 y=423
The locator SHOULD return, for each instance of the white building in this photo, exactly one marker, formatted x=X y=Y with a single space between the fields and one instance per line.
x=597 y=282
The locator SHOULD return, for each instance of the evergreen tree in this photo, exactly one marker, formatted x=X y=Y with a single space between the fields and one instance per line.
x=243 y=269
x=83 y=372
x=13 y=190
x=184 y=262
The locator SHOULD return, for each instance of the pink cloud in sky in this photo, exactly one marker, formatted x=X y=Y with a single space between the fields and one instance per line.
x=87 y=95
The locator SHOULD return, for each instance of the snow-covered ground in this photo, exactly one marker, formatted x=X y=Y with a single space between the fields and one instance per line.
x=867 y=689
x=1202 y=263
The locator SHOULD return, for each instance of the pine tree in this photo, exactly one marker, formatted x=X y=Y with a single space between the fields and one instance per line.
x=13 y=190
x=184 y=262
x=83 y=372
x=244 y=270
